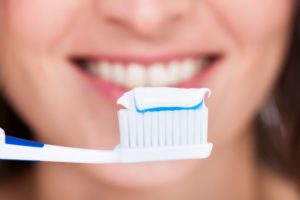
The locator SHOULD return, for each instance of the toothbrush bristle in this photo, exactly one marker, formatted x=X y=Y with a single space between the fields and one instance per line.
x=163 y=128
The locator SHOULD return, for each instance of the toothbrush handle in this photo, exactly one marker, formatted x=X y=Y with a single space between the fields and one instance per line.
x=12 y=148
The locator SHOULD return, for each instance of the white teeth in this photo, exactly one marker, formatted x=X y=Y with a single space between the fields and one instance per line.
x=157 y=74
x=188 y=69
x=136 y=75
x=118 y=72
x=104 y=70
x=174 y=72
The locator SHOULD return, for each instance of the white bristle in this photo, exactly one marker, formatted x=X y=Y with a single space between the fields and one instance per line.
x=190 y=127
x=183 y=127
x=176 y=127
x=169 y=127
x=159 y=129
x=162 y=128
x=198 y=127
x=124 y=130
x=147 y=129
x=140 y=131
x=204 y=125
x=154 y=132
x=132 y=130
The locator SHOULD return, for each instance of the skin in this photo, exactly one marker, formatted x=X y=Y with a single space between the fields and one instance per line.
x=37 y=37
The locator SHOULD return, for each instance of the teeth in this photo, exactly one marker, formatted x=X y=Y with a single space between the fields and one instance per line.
x=118 y=72
x=104 y=70
x=188 y=69
x=136 y=75
x=173 y=72
x=157 y=74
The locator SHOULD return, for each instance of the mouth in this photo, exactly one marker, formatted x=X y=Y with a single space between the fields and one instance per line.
x=115 y=75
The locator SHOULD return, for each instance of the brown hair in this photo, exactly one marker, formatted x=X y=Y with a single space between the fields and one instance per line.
x=277 y=124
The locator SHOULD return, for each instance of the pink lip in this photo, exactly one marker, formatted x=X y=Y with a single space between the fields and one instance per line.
x=113 y=92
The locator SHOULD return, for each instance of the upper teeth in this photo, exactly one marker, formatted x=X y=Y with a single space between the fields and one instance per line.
x=158 y=74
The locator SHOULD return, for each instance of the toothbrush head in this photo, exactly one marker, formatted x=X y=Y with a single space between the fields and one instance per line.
x=163 y=124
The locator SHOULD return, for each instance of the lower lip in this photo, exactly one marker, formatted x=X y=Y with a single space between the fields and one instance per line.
x=113 y=92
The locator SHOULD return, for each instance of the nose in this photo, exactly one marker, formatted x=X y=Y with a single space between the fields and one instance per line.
x=146 y=18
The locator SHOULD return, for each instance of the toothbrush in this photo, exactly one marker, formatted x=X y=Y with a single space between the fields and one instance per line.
x=156 y=124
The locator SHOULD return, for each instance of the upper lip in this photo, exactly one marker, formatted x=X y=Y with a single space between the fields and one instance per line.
x=145 y=60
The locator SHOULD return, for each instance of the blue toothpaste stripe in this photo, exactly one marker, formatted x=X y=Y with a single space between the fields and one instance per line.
x=157 y=109
x=22 y=142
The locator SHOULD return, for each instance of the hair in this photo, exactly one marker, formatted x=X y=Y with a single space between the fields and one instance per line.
x=277 y=123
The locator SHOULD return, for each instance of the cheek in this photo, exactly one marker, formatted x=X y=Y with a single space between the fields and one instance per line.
x=39 y=22
x=259 y=34
x=254 y=20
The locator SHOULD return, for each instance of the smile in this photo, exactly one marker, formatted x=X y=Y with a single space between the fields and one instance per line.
x=121 y=74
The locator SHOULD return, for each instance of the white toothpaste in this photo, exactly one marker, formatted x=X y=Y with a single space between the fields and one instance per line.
x=143 y=99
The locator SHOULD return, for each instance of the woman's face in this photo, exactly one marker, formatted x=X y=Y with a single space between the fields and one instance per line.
x=65 y=62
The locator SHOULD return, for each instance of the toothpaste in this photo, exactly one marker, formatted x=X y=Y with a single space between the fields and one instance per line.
x=147 y=99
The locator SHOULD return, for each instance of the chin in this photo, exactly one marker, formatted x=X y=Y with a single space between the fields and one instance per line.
x=143 y=175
